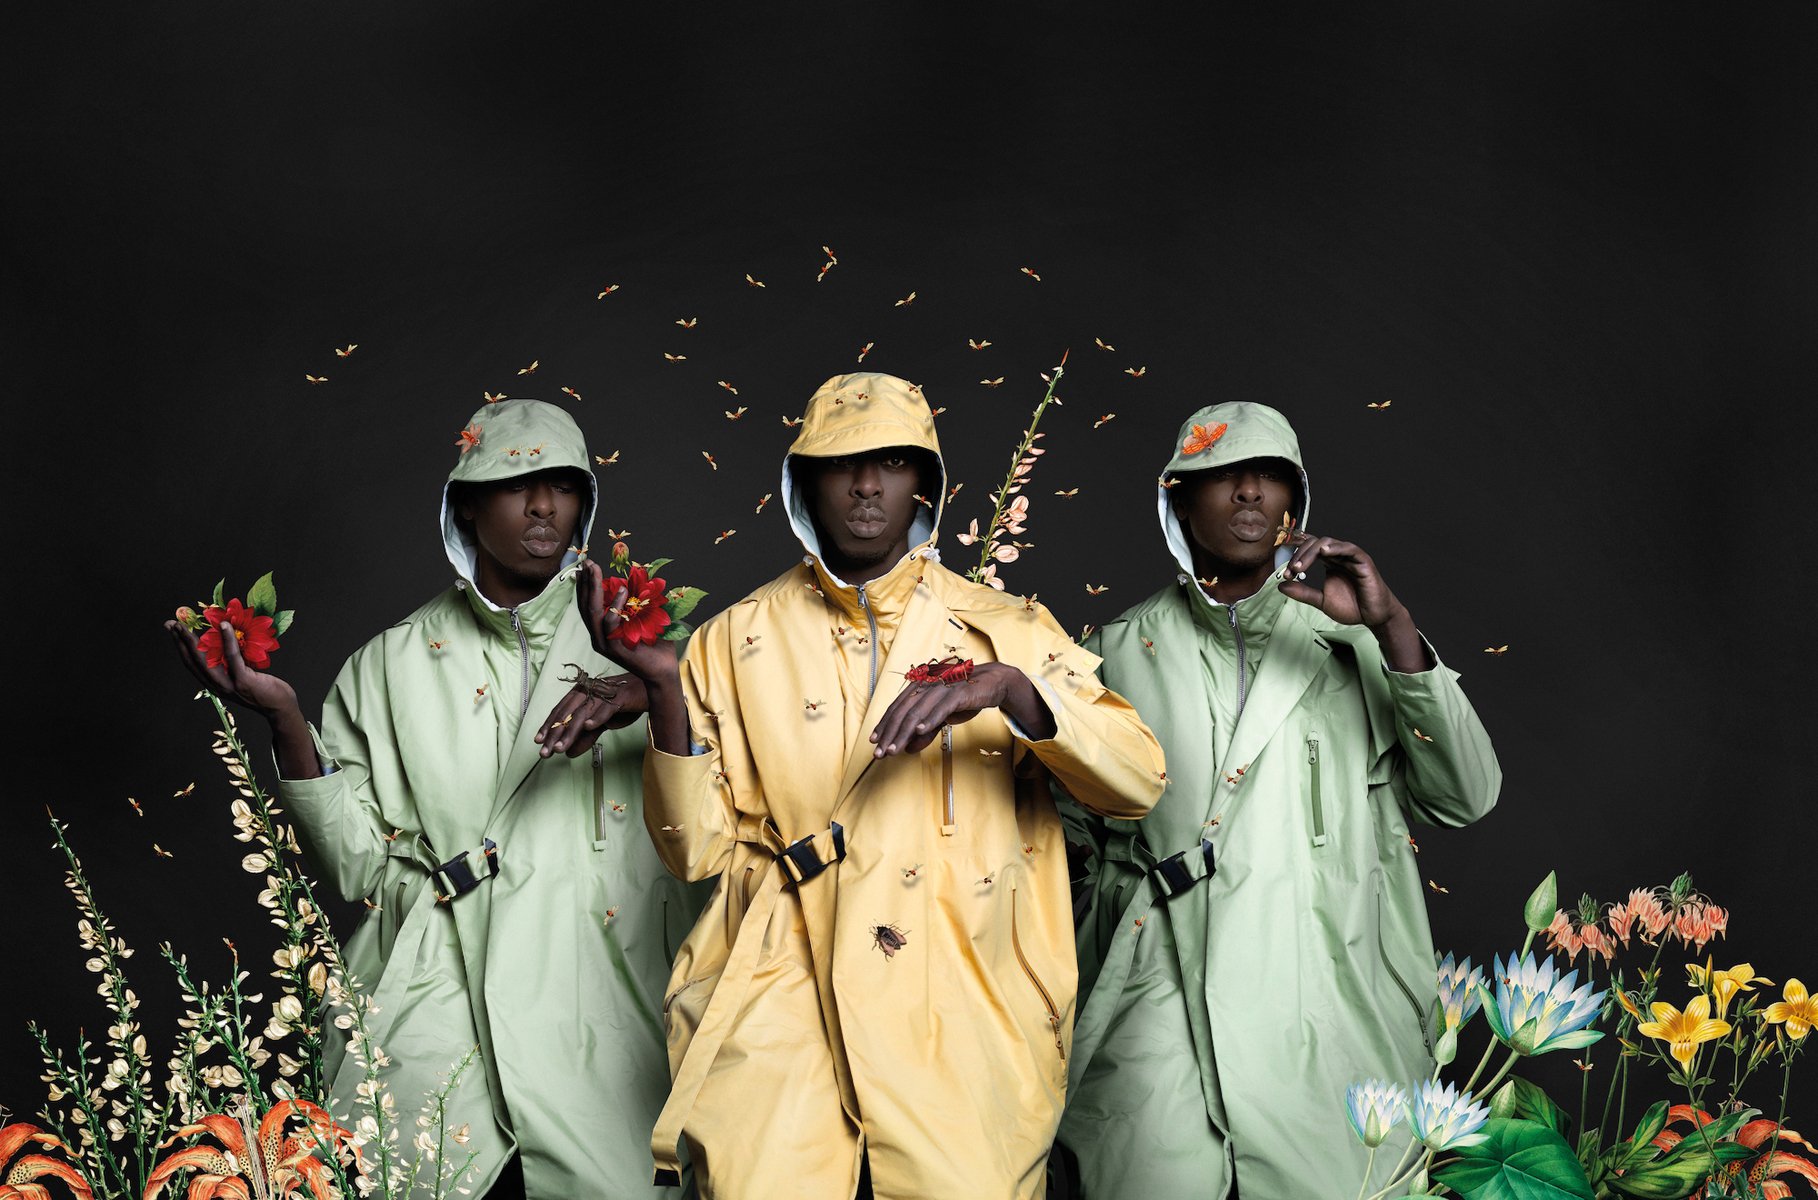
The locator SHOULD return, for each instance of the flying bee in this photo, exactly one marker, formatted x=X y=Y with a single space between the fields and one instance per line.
x=753 y=282
x=186 y=791
x=724 y=534
x=1444 y=891
x=813 y=705
x=610 y=289
x=675 y=357
x=494 y=397
x=1069 y=493
x=906 y=300
x=350 y=348
x=571 y=393
x=1097 y=589
x=608 y=460
x=308 y=378
x=864 y=350
x=437 y=643
x=710 y=460
x=791 y=422
x=1423 y=737
x=1498 y=651
x=978 y=344
x=733 y=414
x=1103 y=419
x=1104 y=345
x=161 y=852
x=689 y=322
x=1136 y=372
x=1379 y=407
x=1031 y=274
x=763 y=502
x=727 y=386
x=530 y=370
x=912 y=872
x=991 y=383
x=479 y=693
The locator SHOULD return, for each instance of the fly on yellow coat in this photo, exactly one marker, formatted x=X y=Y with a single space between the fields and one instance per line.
x=886 y=968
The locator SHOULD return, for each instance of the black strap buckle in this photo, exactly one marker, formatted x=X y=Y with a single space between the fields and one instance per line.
x=460 y=876
x=801 y=861
x=1175 y=873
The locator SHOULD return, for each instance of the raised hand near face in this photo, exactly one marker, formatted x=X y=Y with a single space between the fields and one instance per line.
x=1353 y=593
x=915 y=717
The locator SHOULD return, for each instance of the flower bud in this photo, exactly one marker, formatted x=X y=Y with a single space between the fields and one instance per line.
x=1542 y=904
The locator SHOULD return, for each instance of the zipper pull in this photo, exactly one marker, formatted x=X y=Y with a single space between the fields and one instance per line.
x=1313 y=749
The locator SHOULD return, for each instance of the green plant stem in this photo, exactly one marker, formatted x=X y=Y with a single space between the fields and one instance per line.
x=1010 y=480
x=1508 y=1066
x=1481 y=1063
x=1402 y=1176
x=1369 y=1165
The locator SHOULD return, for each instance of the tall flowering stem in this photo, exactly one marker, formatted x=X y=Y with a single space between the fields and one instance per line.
x=117 y=1105
x=1007 y=516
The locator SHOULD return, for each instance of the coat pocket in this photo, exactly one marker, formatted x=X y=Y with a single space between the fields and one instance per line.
x=602 y=809
x=1054 y=1017
x=948 y=824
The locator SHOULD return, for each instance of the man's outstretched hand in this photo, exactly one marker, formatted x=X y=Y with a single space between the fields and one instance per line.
x=260 y=691
x=601 y=703
x=915 y=717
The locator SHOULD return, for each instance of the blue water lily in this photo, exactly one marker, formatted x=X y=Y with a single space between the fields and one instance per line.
x=1445 y=1119
x=1534 y=1009
x=1375 y=1107
x=1458 y=996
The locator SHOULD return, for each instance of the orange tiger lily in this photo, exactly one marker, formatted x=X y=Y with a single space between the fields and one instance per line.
x=21 y=1173
x=288 y=1162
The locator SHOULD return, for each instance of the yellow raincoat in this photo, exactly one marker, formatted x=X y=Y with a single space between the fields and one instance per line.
x=886 y=966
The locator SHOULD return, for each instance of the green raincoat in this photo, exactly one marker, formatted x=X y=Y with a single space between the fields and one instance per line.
x=554 y=963
x=1226 y=1008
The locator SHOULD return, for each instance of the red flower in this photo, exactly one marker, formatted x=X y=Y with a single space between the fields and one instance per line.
x=255 y=633
x=641 y=599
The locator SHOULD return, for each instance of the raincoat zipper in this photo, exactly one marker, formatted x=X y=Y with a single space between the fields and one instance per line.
x=1238 y=633
x=599 y=793
x=872 y=622
x=1382 y=952
x=1054 y=1021
x=517 y=627
x=948 y=826
x=1319 y=811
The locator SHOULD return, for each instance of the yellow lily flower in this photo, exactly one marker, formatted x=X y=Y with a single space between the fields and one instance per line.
x=1724 y=985
x=1798 y=1010
x=1685 y=1031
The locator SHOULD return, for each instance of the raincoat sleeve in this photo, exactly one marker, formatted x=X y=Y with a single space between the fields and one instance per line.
x=1086 y=831
x=337 y=815
x=1101 y=752
x=1454 y=778
x=687 y=803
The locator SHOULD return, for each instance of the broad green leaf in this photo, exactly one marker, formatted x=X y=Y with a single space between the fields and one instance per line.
x=1649 y=1127
x=681 y=602
x=282 y=621
x=677 y=631
x=1521 y=1160
x=262 y=597
x=655 y=565
x=220 y=586
x=1671 y=1178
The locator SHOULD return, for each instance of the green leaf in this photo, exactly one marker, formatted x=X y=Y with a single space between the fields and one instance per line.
x=1542 y=904
x=1649 y=1127
x=262 y=597
x=220 y=586
x=655 y=565
x=681 y=602
x=282 y=621
x=1521 y=1160
x=1528 y=1102
x=1671 y=1178
x=677 y=631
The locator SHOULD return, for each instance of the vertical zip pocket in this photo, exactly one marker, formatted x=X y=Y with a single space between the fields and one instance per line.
x=1054 y=1018
x=948 y=825
x=1313 y=770
x=1382 y=952
x=601 y=810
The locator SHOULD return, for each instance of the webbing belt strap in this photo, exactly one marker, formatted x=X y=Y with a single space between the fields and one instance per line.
x=1164 y=881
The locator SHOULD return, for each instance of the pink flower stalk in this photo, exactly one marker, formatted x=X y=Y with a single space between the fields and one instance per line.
x=1562 y=937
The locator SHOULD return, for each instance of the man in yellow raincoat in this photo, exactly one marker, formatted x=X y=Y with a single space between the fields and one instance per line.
x=884 y=978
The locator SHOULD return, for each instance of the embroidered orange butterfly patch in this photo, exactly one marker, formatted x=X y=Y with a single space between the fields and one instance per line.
x=1201 y=438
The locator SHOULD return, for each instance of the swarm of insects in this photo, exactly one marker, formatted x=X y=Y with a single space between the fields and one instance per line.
x=889 y=939
x=951 y=669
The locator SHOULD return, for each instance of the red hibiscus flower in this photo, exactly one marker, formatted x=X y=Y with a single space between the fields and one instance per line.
x=641 y=599
x=255 y=633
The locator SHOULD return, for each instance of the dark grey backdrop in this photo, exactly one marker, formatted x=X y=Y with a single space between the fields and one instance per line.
x=1572 y=243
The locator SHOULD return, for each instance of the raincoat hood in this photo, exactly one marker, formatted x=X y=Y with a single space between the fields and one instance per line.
x=503 y=440
x=1213 y=437
x=850 y=414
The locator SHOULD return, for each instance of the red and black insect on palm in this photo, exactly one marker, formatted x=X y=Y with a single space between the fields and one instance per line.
x=951 y=669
